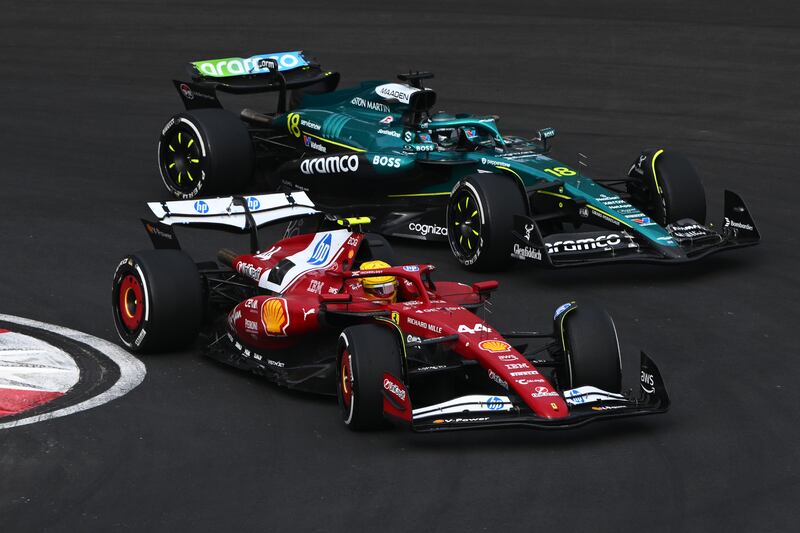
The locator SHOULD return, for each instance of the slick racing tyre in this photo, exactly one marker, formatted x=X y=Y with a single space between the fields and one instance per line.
x=206 y=151
x=591 y=348
x=157 y=300
x=667 y=188
x=480 y=220
x=365 y=352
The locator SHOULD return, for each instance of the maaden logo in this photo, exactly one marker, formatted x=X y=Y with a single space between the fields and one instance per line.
x=275 y=315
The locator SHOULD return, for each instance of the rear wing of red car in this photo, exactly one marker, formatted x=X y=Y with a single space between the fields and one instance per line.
x=237 y=214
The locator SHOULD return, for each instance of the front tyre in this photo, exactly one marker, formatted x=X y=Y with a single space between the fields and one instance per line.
x=591 y=348
x=365 y=352
x=205 y=150
x=480 y=220
x=667 y=187
x=157 y=300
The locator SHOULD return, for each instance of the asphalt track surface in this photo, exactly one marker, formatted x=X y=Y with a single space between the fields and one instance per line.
x=85 y=87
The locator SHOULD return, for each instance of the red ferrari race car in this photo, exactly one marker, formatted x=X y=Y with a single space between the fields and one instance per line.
x=325 y=312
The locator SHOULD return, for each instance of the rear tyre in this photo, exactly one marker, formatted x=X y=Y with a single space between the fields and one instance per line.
x=157 y=300
x=480 y=219
x=365 y=352
x=668 y=188
x=591 y=349
x=205 y=150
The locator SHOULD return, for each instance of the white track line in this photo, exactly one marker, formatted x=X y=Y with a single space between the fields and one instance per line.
x=131 y=370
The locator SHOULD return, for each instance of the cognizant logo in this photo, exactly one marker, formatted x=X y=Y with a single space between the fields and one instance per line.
x=425 y=229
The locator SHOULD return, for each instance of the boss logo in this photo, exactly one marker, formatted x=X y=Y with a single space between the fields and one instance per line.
x=384 y=161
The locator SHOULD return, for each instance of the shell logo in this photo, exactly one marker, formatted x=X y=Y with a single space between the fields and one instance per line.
x=494 y=346
x=275 y=315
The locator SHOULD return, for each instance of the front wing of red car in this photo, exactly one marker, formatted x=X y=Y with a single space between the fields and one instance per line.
x=586 y=404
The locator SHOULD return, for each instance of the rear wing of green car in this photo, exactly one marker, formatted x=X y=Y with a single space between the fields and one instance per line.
x=259 y=73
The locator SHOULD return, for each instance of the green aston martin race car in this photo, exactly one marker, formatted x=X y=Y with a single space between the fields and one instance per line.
x=379 y=149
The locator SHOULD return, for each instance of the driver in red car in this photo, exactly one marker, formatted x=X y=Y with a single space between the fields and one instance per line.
x=379 y=287
x=385 y=288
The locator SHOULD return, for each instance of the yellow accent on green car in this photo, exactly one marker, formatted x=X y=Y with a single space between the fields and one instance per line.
x=653 y=164
x=353 y=148
x=565 y=197
x=610 y=215
x=446 y=193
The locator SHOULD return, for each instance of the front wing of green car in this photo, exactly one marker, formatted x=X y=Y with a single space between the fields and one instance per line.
x=687 y=241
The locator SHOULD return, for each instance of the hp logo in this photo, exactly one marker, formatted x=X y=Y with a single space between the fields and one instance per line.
x=321 y=251
x=494 y=403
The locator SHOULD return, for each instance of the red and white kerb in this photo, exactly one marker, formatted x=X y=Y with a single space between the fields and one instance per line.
x=32 y=373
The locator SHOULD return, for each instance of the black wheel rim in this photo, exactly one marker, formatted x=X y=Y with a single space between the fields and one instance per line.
x=465 y=224
x=182 y=159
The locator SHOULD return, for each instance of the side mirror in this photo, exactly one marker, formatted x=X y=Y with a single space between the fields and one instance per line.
x=546 y=133
x=335 y=298
x=543 y=135
x=485 y=286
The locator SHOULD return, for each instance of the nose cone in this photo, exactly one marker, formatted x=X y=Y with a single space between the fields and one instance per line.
x=510 y=368
x=550 y=407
